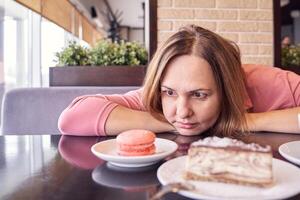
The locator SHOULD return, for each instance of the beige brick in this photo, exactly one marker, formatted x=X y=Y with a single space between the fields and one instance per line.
x=268 y=60
x=236 y=4
x=265 y=50
x=164 y=25
x=164 y=3
x=265 y=4
x=208 y=25
x=227 y=3
x=256 y=15
x=162 y=36
x=237 y=26
x=159 y=44
x=265 y=26
x=195 y=3
x=164 y=13
x=256 y=38
x=216 y=14
x=248 y=4
x=230 y=36
x=248 y=49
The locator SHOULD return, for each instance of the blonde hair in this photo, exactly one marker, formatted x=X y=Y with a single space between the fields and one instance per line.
x=224 y=58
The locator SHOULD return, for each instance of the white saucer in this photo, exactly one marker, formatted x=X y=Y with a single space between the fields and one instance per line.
x=291 y=151
x=107 y=150
x=286 y=177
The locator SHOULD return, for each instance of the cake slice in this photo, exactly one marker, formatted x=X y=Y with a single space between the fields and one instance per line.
x=230 y=161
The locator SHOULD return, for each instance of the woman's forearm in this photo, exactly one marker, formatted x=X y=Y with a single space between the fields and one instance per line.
x=122 y=119
x=276 y=121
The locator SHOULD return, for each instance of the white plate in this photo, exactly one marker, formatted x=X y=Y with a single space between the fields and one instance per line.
x=286 y=175
x=291 y=151
x=107 y=150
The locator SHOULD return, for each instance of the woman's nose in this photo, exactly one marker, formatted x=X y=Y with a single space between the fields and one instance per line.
x=183 y=109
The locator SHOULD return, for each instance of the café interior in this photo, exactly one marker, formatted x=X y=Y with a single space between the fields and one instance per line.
x=46 y=62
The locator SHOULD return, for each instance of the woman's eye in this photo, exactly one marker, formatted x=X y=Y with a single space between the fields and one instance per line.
x=169 y=92
x=200 y=95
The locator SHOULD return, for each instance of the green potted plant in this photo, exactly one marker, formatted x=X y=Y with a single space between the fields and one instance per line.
x=80 y=66
x=73 y=55
x=290 y=58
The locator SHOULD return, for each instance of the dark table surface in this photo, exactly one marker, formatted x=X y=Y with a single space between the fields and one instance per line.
x=63 y=167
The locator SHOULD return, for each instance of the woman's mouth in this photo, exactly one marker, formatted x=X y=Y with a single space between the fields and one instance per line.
x=186 y=125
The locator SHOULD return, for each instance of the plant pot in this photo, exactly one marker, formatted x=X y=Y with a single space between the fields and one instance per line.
x=97 y=76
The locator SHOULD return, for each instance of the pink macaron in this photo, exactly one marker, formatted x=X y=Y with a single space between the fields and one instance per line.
x=136 y=142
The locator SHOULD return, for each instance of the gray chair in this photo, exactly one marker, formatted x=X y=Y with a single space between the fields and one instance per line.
x=36 y=110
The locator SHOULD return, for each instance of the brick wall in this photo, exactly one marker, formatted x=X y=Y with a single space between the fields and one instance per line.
x=249 y=23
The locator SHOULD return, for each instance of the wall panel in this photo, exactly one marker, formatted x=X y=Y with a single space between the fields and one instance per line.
x=34 y=5
x=60 y=12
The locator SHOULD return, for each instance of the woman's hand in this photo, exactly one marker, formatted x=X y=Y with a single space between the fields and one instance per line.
x=250 y=119
x=276 y=121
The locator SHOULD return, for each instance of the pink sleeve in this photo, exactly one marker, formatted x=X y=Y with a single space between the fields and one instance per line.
x=87 y=115
x=271 y=88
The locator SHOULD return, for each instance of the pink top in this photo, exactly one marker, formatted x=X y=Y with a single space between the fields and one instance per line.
x=269 y=88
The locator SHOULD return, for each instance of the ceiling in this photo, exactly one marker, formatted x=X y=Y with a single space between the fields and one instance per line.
x=130 y=12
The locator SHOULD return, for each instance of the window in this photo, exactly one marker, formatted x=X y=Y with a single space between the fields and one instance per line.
x=29 y=45
x=15 y=46
x=52 y=40
x=286 y=33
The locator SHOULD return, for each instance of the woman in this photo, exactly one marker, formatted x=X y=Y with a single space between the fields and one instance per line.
x=194 y=83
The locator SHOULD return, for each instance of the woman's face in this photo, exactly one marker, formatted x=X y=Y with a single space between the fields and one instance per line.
x=190 y=98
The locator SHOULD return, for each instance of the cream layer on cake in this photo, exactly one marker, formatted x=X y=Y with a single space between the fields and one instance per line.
x=229 y=160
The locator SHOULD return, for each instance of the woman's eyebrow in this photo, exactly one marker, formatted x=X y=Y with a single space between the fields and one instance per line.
x=196 y=90
x=166 y=87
